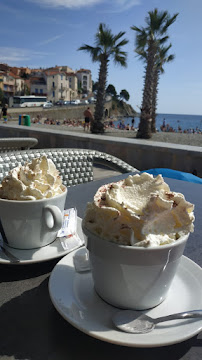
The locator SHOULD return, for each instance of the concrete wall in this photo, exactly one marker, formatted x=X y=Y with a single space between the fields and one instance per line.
x=141 y=154
x=57 y=112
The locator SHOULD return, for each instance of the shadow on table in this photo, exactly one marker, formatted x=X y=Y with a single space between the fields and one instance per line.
x=32 y=329
x=9 y=273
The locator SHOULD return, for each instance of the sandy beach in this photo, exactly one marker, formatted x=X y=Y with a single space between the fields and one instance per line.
x=168 y=137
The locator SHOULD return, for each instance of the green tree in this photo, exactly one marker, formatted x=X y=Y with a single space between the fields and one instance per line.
x=124 y=95
x=2 y=99
x=95 y=86
x=26 y=90
x=107 y=46
x=151 y=38
x=111 y=90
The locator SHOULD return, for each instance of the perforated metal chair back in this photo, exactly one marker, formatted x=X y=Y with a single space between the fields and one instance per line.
x=75 y=165
x=18 y=143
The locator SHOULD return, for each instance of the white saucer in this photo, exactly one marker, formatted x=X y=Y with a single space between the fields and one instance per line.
x=74 y=297
x=49 y=252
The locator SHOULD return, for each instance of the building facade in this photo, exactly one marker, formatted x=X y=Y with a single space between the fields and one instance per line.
x=84 y=80
x=57 y=83
x=57 y=86
x=38 y=85
x=73 y=85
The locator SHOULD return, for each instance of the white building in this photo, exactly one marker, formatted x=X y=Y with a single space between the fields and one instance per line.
x=73 y=85
x=85 y=80
x=57 y=85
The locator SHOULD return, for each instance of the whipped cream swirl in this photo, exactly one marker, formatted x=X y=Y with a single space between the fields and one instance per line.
x=139 y=211
x=36 y=180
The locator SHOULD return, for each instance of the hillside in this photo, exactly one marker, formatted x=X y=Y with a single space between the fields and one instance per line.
x=121 y=108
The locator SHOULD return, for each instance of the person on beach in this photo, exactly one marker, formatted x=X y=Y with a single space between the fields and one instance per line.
x=88 y=117
x=4 y=113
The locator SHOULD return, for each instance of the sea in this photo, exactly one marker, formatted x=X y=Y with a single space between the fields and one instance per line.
x=190 y=123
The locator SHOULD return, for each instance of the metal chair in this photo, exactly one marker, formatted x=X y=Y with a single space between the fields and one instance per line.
x=75 y=165
x=18 y=143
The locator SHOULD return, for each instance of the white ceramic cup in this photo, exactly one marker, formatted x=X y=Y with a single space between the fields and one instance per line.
x=133 y=277
x=33 y=223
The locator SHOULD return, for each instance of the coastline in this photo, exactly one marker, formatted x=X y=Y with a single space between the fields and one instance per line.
x=168 y=137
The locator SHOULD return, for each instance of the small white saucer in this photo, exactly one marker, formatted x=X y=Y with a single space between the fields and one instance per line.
x=74 y=297
x=49 y=252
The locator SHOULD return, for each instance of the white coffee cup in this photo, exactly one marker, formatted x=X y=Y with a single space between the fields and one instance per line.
x=33 y=223
x=131 y=277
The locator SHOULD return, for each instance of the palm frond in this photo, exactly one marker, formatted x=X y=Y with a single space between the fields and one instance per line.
x=120 y=59
x=136 y=28
x=122 y=43
x=118 y=36
x=169 y=21
x=141 y=53
x=156 y=19
x=163 y=40
x=93 y=51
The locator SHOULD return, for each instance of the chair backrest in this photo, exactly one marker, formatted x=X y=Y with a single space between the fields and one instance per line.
x=75 y=165
x=18 y=143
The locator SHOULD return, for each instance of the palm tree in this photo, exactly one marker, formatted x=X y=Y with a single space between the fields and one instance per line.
x=162 y=59
x=106 y=45
x=150 y=39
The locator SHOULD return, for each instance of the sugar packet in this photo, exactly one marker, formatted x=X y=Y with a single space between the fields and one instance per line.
x=69 y=238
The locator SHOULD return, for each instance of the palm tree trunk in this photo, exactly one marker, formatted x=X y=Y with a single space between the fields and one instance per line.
x=154 y=100
x=97 y=125
x=144 y=130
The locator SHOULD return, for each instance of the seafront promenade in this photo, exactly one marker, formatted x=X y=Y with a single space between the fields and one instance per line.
x=75 y=115
x=167 y=137
x=158 y=152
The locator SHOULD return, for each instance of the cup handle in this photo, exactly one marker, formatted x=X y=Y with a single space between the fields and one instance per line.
x=57 y=217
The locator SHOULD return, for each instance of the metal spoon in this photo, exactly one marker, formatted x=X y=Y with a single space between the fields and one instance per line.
x=13 y=259
x=135 y=322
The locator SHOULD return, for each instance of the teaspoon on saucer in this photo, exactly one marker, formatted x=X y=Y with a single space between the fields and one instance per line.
x=13 y=259
x=135 y=322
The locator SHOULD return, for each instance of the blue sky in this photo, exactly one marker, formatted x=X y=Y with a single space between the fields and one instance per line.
x=44 y=33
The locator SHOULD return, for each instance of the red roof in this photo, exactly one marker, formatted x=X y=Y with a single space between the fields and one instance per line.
x=14 y=75
x=54 y=72
x=70 y=74
x=83 y=70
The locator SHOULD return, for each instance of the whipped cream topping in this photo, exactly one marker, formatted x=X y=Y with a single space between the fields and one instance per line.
x=139 y=211
x=36 y=180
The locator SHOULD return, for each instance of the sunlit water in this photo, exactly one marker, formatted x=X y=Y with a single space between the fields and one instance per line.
x=185 y=122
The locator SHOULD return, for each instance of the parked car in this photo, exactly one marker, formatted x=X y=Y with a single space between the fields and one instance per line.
x=59 y=103
x=67 y=103
x=47 y=104
x=84 y=102
x=75 y=102
x=92 y=100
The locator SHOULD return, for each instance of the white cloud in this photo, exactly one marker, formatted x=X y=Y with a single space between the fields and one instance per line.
x=54 y=38
x=118 y=6
x=12 y=55
x=126 y=4
x=70 y=4
x=77 y=4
